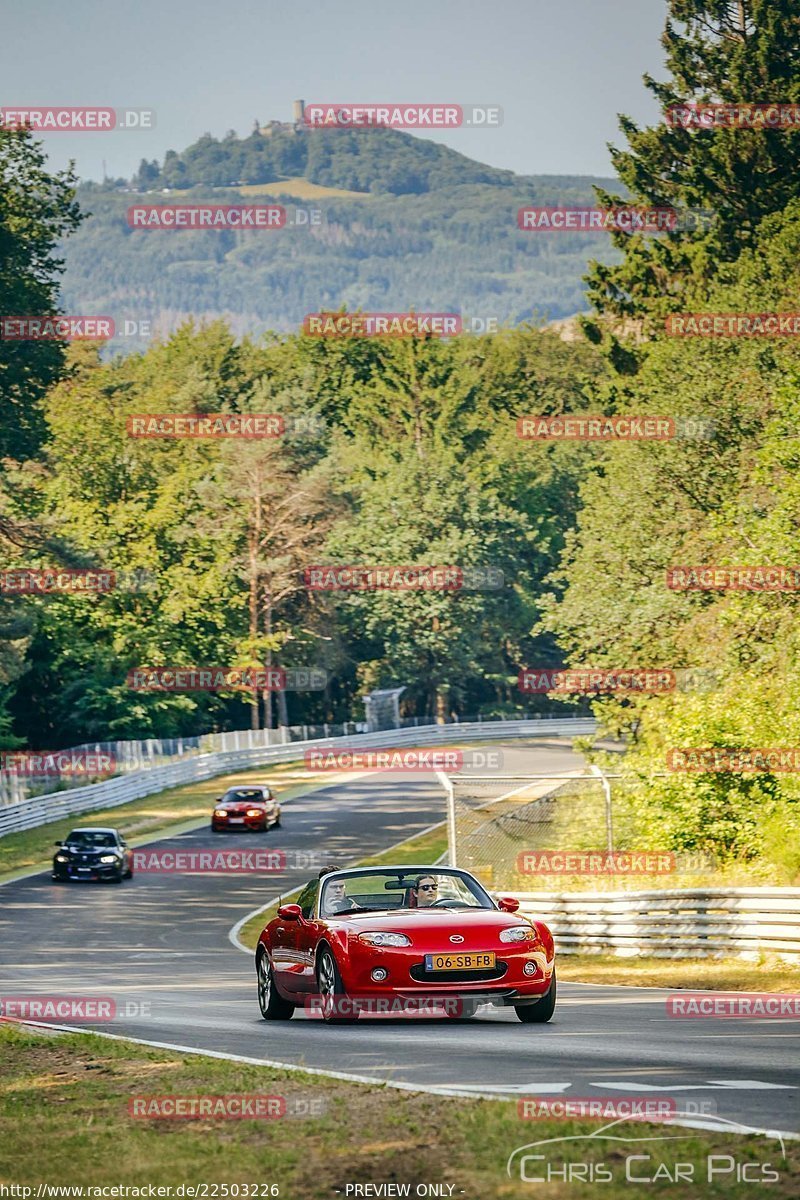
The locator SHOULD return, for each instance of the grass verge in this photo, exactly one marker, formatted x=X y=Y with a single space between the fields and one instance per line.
x=64 y=1100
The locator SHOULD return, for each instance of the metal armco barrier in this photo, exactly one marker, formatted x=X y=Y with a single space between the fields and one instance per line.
x=707 y=923
x=196 y=768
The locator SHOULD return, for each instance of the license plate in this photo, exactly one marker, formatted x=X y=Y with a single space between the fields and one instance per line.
x=236 y=820
x=84 y=870
x=459 y=962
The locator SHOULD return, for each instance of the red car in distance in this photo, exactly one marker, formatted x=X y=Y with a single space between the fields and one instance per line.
x=252 y=808
x=359 y=938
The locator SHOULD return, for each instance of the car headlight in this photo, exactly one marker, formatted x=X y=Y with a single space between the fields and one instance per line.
x=254 y=812
x=62 y=858
x=220 y=812
x=518 y=933
x=385 y=939
x=108 y=858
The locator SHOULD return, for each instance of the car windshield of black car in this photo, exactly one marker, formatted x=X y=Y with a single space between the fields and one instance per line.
x=86 y=840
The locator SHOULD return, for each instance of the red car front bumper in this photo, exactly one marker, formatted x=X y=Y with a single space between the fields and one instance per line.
x=406 y=974
x=239 y=822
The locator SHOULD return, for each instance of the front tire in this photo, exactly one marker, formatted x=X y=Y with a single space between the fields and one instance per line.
x=331 y=989
x=540 y=1012
x=273 y=1007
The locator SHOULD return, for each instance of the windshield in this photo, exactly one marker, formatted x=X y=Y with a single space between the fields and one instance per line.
x=86 y=839
x=381 y=890
x=243 y=794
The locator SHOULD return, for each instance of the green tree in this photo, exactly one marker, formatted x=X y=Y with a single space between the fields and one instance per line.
x=729 y=499
x=218 y=525
x=37 y=208
x=434 y=474
x=268 y=517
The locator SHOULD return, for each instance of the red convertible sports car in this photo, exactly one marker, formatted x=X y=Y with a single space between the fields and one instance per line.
x=250 y=808
x=391 y=939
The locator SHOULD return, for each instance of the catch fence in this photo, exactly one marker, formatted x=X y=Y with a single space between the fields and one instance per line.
x=584 y=830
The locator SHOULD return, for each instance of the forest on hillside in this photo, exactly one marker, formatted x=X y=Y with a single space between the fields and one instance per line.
x=454 y=249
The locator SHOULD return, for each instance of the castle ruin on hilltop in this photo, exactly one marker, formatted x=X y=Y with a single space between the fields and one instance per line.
x=296 y=125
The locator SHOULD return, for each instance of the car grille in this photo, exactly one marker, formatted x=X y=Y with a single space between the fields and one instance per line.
x=483 y=976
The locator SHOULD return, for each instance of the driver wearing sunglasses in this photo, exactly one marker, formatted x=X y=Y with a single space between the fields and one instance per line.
x=425 y=891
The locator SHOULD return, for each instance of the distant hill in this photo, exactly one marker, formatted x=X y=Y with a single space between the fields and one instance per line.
x=359 y=160
x=403 y=223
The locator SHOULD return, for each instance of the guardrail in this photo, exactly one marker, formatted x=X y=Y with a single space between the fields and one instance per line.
x=193 y=769
x=17 y=785
x=146 y=754
x=696 y=923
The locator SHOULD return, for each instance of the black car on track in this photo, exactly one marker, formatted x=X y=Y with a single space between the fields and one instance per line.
x=93 y=853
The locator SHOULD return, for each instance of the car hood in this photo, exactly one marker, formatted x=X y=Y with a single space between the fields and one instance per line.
x=241 y=806
x=409 y=920
x=88 y=852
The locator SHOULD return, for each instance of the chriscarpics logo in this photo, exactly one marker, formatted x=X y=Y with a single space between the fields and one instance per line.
x=615 y=1153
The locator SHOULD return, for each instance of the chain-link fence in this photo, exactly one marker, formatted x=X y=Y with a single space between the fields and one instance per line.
x=578 y=832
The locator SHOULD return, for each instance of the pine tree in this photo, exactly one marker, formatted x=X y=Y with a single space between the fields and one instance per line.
x=37 y=209
x=718 y=52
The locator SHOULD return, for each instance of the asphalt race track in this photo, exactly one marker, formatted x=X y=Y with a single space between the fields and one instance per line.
x=159 y=947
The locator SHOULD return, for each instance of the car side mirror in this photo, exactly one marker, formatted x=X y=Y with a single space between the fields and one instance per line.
x=508 y=904
x=290 y=912
x=122 y=842
x=58 y=843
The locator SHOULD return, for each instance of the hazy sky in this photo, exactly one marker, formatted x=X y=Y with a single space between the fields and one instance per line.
x=560 y=70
